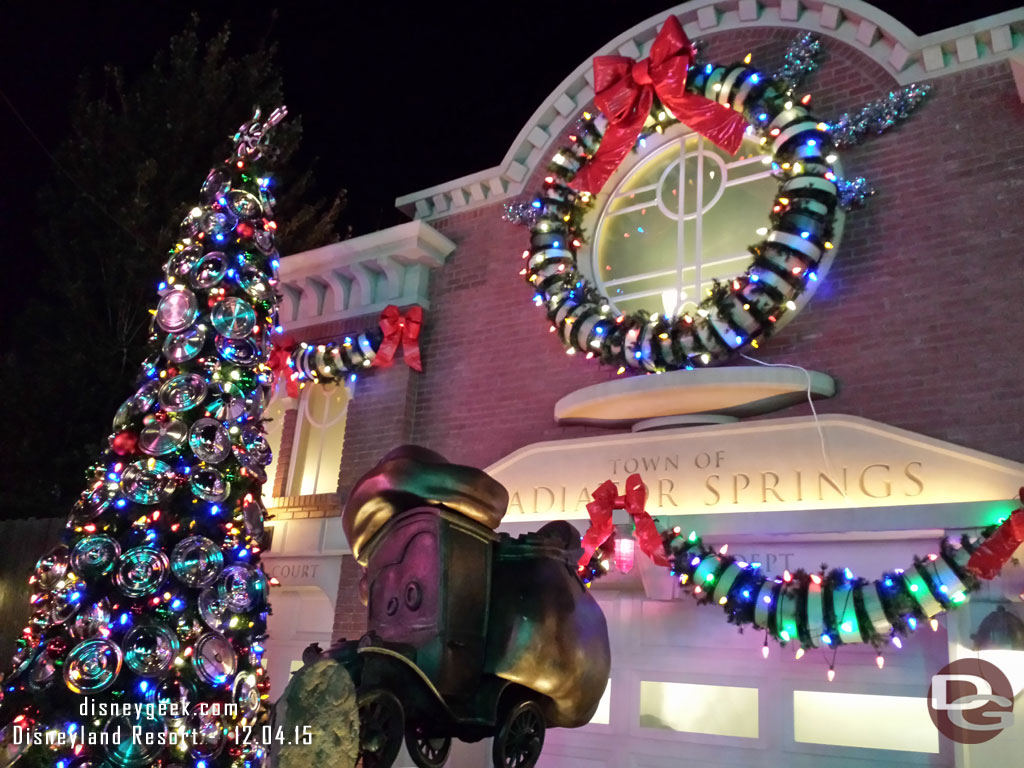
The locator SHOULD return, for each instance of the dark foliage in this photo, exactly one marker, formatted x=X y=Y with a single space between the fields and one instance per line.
x=134 y=156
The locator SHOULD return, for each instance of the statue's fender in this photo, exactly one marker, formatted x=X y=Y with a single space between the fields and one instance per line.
x=547 y=633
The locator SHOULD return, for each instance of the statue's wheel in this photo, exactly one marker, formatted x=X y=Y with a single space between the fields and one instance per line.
x=381 y=726
x=427 y=751
x=520 y=738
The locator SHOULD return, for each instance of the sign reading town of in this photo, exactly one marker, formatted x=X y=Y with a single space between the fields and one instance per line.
x=779 y=465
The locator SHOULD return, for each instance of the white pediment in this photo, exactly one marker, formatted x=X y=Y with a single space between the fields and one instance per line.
x=834 y=473
x=361 y=275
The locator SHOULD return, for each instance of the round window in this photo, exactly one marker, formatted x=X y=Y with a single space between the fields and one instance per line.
x=677 y=220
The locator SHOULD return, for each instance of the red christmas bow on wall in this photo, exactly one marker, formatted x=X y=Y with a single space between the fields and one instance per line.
x=625 y=92
x=404 y=329
x=989 y=559
x=606 y=500
x=396 y=328
x=278 y=363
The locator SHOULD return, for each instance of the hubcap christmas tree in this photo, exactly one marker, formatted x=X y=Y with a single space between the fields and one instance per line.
x=156 y=595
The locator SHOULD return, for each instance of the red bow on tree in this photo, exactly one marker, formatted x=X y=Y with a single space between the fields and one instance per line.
x=625 y=92
x=404 y=329
x=607 y=499
x=278 y=362
x=989 y=559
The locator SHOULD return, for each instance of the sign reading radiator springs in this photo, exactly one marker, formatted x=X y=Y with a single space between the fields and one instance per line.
x=783 y=464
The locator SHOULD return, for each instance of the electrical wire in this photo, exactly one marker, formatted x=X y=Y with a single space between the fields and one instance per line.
x=814 y=411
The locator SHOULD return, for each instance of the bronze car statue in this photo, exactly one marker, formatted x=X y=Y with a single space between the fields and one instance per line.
x=471 y=634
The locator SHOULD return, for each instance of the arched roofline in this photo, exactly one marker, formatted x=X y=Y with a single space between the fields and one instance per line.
x=906 y=56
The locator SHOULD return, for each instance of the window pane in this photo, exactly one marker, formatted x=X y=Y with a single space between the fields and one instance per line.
x=730 y=225
x=864 y=720
x=307 y=446
x=648 y=172
x=719 y=710
x=332 y=439
x=724 y=200
x=321 y=436
x=656 y=282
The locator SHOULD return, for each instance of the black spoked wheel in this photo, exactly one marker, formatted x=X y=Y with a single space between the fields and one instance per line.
x=427 y=751
x=521 y=737
x=380 y=728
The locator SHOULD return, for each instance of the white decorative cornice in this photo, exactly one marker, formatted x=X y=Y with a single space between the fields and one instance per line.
x=362 y=275
x=906 y=56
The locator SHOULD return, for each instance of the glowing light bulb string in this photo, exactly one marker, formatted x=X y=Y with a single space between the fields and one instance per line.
x=816 y=609
x=336 y=360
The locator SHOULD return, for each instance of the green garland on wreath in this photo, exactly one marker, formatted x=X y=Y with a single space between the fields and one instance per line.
x=735 y=314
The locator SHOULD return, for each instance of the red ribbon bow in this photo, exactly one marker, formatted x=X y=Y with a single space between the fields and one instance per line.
x=404 y=329
x=988 y=559
x=625 y=93
x=278 y=363
x=607 y=499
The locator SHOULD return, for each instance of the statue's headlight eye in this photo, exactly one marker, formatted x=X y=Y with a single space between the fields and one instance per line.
x=413 y=595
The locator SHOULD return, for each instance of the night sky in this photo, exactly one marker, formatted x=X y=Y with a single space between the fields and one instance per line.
x=394 y=97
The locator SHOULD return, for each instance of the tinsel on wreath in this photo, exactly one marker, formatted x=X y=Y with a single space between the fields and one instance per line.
x=877 y=116
x=802 y=58
x=156 y=597
x=853 y=193
x=520 y=212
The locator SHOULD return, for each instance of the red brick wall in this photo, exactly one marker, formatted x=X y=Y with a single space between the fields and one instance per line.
x=379 y=418
x=350 y=613
x=919 y=319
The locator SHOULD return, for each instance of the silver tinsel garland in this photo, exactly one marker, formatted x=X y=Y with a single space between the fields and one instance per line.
x=521 y=212
x=801 y=59
x=877 y=116
x=853 y=193
x=700 y=53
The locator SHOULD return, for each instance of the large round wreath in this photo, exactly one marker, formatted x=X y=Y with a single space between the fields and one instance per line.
x=735 y=313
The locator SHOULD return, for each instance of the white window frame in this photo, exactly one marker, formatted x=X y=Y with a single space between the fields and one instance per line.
x=695 y=285
x=302 y=423
x=655 y=143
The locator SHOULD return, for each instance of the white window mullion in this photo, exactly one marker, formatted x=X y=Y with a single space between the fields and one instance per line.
x=680 y=226
x=698 y=253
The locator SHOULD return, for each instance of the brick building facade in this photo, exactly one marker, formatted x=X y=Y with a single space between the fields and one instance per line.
x=916 y=323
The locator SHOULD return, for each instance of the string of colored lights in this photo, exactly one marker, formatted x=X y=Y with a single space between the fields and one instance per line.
x=734 y=314
x=833 y=608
